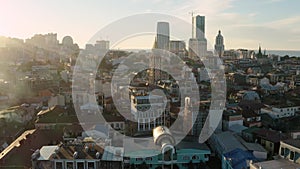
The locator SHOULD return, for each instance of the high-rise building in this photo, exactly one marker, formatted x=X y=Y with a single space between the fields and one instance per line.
x=198 y=27
x=197 y=48
x=178 y=47
x=219 y=45
x=198 y=42
x=102 y=45
x=163 y=35
x=162 y=41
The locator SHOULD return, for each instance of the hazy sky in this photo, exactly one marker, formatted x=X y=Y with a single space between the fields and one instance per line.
x=275 y=24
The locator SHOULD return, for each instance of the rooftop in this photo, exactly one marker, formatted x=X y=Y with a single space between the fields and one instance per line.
x=82 y=151
x=293 y=142
x=46 y=152
x=271 y=135
x=280 y=163
x=228 y=141
x=238 y=158
x=27 y=143
x=113 y=153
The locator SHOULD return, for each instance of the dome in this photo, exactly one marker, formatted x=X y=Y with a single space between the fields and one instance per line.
x=161 y=135
x=67 y=41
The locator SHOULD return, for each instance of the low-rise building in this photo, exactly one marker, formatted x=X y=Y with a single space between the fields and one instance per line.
x=269 y=139
x=237 y=159
x=278 y=163
x=162 y=153
x=290 y=150
x=277 y=112
x=224 y=142
x=18 y=153
x=251 y=119
x=230 y=118
x=85 y=155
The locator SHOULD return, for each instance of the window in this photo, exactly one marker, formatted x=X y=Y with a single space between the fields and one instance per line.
x=263 y=142
x=149 y=158
x=139 y=159
x=58 y=165
x=91 y=165
x=80 y=165
x=282 y=151
x=195 y=157
x=69 y=165
x=186 y=158
x=141 y=127
x=292 y=155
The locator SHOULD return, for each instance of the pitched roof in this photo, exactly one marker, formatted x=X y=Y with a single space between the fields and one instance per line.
x=19 y=152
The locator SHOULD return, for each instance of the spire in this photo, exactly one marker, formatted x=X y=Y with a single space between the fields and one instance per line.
x=219 y=32
x=155 y=44
x=259 y=55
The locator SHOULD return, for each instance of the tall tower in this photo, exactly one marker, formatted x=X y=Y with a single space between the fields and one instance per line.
x=219 y=45
x=198 y=42
x=199 y=27
x=163 y=35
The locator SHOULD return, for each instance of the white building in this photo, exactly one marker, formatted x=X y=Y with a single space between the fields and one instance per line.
x=290 y=149
x=149 y=111
x=280 y=112
x=288 y=157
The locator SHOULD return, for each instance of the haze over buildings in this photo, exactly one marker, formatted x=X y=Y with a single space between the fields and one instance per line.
x=268 y=20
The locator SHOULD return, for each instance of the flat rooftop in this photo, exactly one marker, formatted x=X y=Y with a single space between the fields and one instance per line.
x=274 y=164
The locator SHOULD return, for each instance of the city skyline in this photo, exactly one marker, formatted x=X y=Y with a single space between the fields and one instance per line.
x=244 y=24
